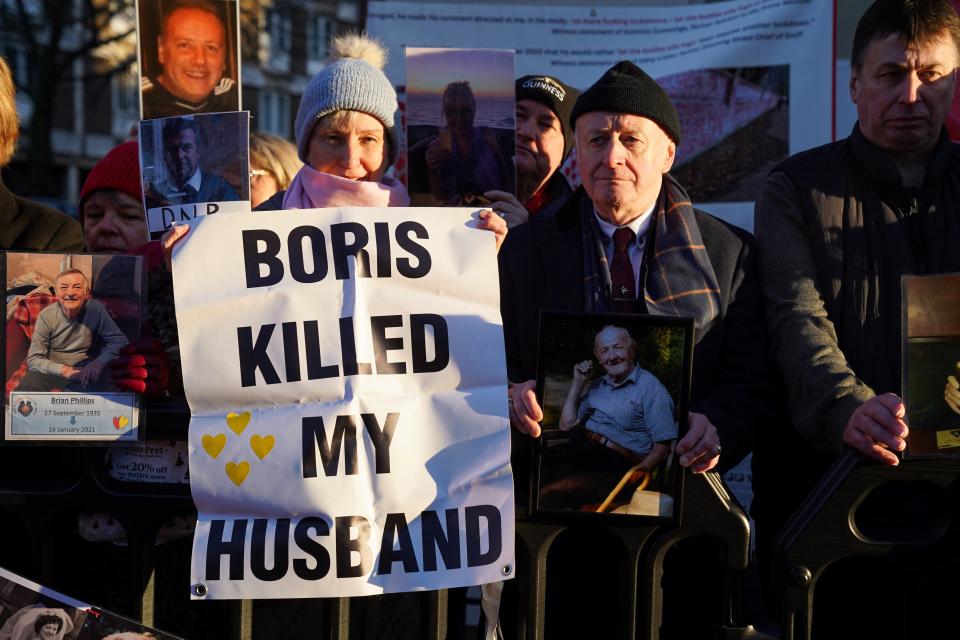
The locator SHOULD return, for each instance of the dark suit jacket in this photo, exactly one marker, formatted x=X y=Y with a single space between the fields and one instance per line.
x=541 y=267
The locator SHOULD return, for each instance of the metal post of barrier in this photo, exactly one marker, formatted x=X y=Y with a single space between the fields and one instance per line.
x=537 y=539
x=635 y=540
x=45 y=549
x=434 y=610
x=148 y=599
x=340 y=619
x=708 y=510
x=246 y=620
x=140 y=544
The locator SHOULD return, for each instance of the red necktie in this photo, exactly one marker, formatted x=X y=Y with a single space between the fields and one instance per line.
x=621 y=271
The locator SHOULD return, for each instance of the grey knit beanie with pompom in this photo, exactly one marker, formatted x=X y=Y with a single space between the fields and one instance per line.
x=353 y=80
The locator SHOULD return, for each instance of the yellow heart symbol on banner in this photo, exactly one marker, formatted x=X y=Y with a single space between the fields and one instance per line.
x=238 y=421
x=213 y=445
x=237 y=472
x=119 y=422
x=262 y=446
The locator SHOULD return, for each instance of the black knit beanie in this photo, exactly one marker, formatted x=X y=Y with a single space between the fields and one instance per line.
x=625 y=88
x=553 y=94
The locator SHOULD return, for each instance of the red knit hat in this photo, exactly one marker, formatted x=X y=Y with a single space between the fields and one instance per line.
x=119 y=169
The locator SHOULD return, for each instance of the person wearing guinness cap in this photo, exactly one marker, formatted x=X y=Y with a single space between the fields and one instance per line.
x=629 y=240
x=544 y=140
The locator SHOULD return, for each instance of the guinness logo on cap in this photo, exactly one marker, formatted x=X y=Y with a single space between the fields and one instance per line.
x=547 y=85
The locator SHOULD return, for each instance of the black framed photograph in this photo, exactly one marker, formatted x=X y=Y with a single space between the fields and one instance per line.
x=931 y=365
x=614 y=389
x=69 y=319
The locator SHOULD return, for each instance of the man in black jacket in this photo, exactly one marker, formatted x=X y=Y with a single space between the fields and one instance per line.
x=630 y=240
x=837 y=227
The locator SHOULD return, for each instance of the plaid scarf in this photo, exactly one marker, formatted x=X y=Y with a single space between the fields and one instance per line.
x=677 y=277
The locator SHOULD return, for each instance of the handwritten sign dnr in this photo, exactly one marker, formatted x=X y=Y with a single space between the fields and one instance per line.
x=346 y=378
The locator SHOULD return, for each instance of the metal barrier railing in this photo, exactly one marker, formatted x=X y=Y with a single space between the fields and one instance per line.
x=906 y=545
x=40 y=504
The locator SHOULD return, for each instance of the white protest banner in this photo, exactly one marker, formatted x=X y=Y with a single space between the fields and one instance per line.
x=752 y=80
x=346 y=377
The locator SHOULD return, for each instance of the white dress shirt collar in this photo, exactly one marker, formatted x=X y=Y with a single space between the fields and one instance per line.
x=640 y=225
x=195 y=180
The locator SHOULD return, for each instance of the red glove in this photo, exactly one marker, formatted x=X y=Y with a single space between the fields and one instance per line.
x=142 y=367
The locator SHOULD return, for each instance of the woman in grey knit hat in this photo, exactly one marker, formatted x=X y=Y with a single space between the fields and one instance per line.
x=345 y=133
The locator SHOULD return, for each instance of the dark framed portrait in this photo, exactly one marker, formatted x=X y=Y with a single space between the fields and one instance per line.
x=614 y=389
x=69 y=319
x=931 y=365
x=189 y=57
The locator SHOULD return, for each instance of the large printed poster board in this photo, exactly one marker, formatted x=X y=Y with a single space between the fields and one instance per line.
x=751 y=79
x=346 y=377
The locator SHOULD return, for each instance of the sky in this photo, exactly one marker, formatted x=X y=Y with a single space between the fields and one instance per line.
x=490 y=71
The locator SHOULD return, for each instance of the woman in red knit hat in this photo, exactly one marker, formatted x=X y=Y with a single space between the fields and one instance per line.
x=111 y=203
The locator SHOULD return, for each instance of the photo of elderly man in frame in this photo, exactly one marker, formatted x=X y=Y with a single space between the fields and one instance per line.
x=613 y=390
x=73 y=340
x=188 y=57
x=70 y=321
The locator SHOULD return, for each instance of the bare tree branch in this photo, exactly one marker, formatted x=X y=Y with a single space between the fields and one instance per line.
x=26 y=26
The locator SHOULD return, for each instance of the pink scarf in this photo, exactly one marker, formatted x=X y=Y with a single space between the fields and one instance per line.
x=311 y=189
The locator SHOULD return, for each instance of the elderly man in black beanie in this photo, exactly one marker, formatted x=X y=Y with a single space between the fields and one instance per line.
x=544 y=139
x=631 y=241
